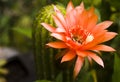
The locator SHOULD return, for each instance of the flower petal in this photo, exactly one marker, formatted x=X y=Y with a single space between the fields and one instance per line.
x=79 y=9
x=59 y=36
x=59 y=15
x=68 y=56
x=96 y=58
x=60 y=29
x=97 y=40
x=81 y=53
x=103 y=48
x=91 y=11
x=82 y=5
x=92 y=22
x=48 y=27
x=70 y=18
x=70 y=7
x=58 y=22
x=78 y=66
x=104 y=25
x=99 y=33
x=109 y=36
x=73 y=16
x=84 y=18
x=57 y=44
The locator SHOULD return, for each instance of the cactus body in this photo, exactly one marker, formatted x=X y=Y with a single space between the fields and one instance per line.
x=45 y=57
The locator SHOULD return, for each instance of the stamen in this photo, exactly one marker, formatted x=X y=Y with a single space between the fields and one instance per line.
x=81 y=36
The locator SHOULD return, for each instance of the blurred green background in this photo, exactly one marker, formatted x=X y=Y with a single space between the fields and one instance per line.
x=16 y=22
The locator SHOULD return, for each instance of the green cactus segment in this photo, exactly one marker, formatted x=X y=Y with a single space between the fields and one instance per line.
x=44 y=57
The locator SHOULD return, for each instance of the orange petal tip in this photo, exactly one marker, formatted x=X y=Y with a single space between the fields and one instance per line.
x=82 y=4
x=70 y=6
x=55 y=8
x=48 y=27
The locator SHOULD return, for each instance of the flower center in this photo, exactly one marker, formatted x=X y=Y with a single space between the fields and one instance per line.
x=81 y=36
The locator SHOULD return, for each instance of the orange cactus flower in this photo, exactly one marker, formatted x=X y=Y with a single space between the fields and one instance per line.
x=79 y=35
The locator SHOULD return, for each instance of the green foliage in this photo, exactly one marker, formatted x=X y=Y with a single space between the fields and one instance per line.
x=115 y=3
x=59 y=77
x=2 y=62
x=92 y=2
x=85 y=77
x=42 y=81
x=24 y=31
x=116 y=72
x=3 y=71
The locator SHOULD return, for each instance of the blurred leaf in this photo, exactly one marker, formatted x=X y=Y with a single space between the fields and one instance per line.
x=86 y=76
x=116 y=18
x=105 y=10
x=64 y=2
x=40 y=3
x=96 y=2
x=4 y=21
x=24 y=31
x=76 y=2
x=2 y=62
x=116 y=73
x=42 y=81
x=59 y=78
x=115 y=3
x=98 y=14
x=92 y=2
x=3 y=71
x=116 y=43
x=2 y=79
x=24 y=21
